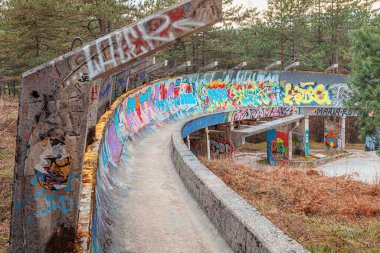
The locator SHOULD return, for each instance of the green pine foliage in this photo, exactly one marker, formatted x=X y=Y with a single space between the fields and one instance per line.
x=313 y=32
x=365 y=77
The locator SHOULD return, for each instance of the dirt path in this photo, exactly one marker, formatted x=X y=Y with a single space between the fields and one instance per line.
x=158 y=214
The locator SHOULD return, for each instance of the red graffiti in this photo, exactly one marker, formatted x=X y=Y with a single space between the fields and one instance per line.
x=94 y=92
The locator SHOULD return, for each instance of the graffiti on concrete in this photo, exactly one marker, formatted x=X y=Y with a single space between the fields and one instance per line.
x=177 y=98
x=51 y=183
x=54 y=165
x=147 y=35
x=59 y=94
x=44 y=201
x=277 y=147
x=332 y=137
x=307 y=94
x=372 y=142
x=263 y=113
x=332 y=112
x=221 y=148
x=339 y=93
x=332 y=141
x=306 y=142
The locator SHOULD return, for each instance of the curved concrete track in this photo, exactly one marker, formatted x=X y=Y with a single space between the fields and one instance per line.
x=158 y=213
x=141 y=204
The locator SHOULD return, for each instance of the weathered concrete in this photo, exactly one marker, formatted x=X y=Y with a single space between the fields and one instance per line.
x=156 y=212
x=269 y=125
x=252 y=130
x=54 y=115
x=243 y=227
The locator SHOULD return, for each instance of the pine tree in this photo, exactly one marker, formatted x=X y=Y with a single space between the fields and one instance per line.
x=365 y=77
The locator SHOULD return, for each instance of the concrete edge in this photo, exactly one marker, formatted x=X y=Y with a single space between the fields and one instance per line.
x=243 y=227
x=90 y=167
x=320 y=161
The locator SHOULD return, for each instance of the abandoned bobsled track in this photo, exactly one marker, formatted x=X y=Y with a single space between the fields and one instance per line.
x=155 y=211
x=125 y=193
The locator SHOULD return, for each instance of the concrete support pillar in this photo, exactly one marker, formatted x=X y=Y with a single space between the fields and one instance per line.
x=290 y=138
x=230 y=128
x=290 y=144
x=188 y=141
x=325 y=131
x=208 y=143
x=343 y=132
x=306 y=136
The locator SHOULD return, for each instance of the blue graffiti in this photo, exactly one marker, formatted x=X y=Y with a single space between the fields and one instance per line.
x=105 y=92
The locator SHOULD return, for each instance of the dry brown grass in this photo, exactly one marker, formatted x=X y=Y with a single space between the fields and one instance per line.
x=8 y=125
x=324 y=214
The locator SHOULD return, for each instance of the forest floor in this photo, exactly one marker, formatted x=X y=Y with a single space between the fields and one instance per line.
x=324 y=214
x=8 y=126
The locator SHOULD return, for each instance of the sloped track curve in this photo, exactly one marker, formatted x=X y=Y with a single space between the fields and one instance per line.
x=135 y=116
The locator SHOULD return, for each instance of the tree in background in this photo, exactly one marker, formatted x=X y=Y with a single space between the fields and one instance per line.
x=34 y=32
x=226 y=42
x=313 y=32
x=365 y=77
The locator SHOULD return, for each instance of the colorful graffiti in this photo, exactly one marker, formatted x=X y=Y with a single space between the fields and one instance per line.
x=223 y=96
x=44 y=201
x=332 y=137
x=54 y=165
x=263 y=113
x=331 y=140
x=307 y=94
x=221 y=148
x=277 y=147
x=372 y=142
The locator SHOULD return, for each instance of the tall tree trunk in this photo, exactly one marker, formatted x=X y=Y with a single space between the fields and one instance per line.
x=319 y=35
x=38 y=46
x=1 y=86
x=203 y=50
x=282 y=52
x=102 y=26
x=194 y=54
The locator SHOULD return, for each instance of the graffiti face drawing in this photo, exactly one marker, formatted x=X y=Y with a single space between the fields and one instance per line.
x=54 y=165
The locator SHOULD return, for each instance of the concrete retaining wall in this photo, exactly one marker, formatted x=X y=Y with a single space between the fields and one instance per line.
x=242 y=226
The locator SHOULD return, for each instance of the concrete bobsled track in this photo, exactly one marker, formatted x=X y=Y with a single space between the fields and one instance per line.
x=124 y=194
x=133 y=170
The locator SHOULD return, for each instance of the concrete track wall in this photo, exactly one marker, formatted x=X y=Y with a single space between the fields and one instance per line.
x=59 y=107
x=242 y=226
x=242 y=93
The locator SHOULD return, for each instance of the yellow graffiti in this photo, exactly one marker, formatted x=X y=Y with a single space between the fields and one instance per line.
x=306 y=93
